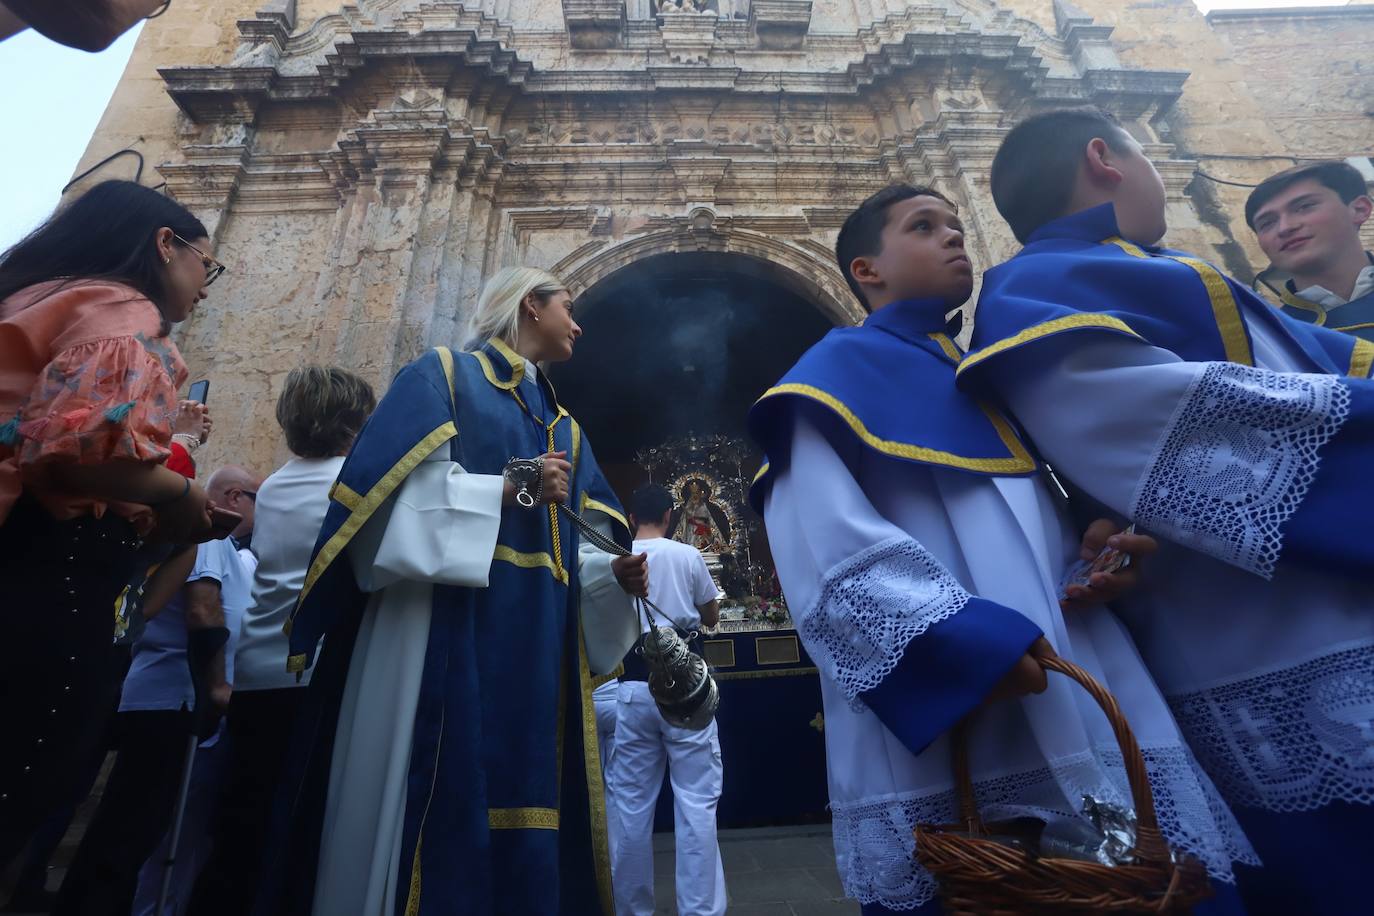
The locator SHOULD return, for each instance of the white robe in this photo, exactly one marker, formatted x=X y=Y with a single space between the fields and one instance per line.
x=1272 y=680
x=1001 y=539
x=398 y=558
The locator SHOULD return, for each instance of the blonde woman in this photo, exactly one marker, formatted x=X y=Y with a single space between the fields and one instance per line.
x=451 y=717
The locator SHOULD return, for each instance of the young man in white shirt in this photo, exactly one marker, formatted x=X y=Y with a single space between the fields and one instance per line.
x=645 y=744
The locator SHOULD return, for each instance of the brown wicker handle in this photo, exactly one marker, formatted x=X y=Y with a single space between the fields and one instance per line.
x=1149 y=842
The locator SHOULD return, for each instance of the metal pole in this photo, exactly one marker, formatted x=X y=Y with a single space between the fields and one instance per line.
x=179 y=813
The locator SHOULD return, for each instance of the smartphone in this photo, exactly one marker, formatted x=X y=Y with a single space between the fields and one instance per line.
x=223 y=521
x=200 y=391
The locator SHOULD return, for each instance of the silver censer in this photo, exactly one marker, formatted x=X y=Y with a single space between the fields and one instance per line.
x=679 y=682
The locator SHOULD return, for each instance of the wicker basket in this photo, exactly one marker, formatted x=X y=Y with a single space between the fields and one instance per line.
x=982 y=877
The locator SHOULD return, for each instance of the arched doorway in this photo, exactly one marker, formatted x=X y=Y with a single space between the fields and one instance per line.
x=680 y=343
x=676 y=348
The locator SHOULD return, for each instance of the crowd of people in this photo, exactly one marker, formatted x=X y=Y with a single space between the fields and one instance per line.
x=397 y=674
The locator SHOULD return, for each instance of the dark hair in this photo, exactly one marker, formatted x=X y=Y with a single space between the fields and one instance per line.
x=1341 y=177
x=105 y=234
x=1035 y=168
x=322 y=408
x=862 y=232
x=650 y=503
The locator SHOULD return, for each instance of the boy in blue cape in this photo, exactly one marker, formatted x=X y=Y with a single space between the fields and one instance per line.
x=1172 y=395
x=922 y=558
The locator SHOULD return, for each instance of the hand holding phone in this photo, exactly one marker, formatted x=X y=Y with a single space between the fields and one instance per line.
x=200 y=391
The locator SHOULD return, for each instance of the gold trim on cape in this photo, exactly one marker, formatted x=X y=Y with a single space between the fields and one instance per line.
x=522 y=818
x=370 y=504
x=596 y=787
x=539 y=560
x=1361 y=358
x=1224 y=308
x=1020 y=461
x=1035 y=332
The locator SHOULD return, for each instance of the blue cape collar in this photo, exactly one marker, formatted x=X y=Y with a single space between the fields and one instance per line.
x=1094 y=224
x=912 y=320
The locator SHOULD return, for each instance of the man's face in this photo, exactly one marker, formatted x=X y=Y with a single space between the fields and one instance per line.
x=923 y=252
x=1306 y=225
x=1140 y=198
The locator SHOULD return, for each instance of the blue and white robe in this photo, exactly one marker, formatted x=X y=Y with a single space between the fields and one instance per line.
x=921 y=555
x=447 y=763
x=1175 y=397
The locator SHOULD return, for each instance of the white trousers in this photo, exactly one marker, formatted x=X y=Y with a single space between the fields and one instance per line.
x=644 y=746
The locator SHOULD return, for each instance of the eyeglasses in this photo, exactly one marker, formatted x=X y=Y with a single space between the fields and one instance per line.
x=213 y=268
x=251 y=494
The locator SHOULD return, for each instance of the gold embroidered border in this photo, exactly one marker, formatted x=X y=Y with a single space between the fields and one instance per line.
x=596 y=786
x=1035 y=332
x=1297 y=302
x=517 y=367
x=1019 y=462
x=522 y=818
x=369 y=504
x=413 y=897
x=1224 y=308
x=589 y=503
x=1361 y=358
x=529 y=561
x=345 y=496
x=599 y=679
x=950 y=347
x=752 y=675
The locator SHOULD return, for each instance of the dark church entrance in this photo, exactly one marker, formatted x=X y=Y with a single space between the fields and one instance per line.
x=675 y=349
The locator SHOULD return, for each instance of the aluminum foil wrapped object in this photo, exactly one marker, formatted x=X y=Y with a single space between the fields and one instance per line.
x=679 y=682
x=1105 y=833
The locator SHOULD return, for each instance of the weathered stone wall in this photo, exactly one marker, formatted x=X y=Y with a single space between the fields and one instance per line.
x=1311 y=71
x=364 y=167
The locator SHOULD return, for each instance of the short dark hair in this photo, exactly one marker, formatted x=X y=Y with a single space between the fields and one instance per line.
x=1341 y=177
x=105 y=234
x=322 y=408
x=1035 y=168
x=862 y=232
x=650 y=503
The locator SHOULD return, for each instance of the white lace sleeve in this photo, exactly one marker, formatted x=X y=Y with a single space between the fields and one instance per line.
x=871 y=606
x=1236 y=460
x=1213 y=456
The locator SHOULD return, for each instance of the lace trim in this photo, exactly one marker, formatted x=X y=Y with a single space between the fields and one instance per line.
x=1237 y=460
x=871 y=606
x=1292 y=740
x=875 y=849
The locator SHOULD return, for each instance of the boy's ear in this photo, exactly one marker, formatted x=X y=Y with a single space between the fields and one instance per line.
x=864 y=272
x=1361 y=207
x=1099 y=162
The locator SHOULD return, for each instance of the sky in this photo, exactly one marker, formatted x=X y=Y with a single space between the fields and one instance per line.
x=58 y=94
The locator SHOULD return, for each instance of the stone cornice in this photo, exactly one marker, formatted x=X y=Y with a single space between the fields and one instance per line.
x=446 y=37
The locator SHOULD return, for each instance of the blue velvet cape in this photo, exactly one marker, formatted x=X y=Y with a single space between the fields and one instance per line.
x=1077 y=276
x=505 y=807
x=887 y=387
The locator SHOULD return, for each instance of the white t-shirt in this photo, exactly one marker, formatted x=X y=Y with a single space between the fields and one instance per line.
x=290 y=510
x=159 y=677
x=679 y=582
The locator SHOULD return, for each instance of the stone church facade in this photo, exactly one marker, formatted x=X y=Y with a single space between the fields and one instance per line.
x=363 y=167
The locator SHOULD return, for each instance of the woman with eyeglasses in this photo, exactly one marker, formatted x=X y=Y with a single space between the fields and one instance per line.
x=88 y=395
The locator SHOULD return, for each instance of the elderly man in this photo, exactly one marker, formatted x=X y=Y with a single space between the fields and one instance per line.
x=154 y=722
x=1308 y=222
